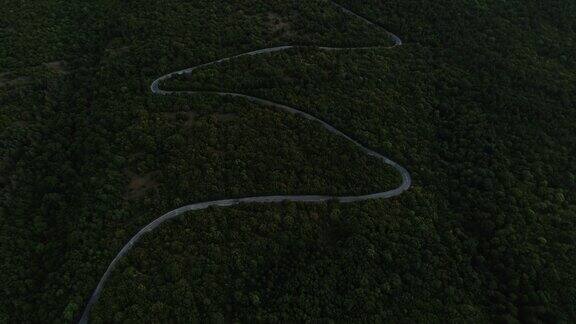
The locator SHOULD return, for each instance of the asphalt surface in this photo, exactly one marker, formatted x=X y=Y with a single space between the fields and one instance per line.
x=155 y=88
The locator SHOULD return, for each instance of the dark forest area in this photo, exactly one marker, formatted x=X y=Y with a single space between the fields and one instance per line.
x=478 y=104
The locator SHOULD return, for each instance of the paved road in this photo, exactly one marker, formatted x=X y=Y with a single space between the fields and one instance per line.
x=155 y=88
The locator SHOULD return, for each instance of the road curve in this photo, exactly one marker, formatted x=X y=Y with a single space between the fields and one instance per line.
x=155 y=88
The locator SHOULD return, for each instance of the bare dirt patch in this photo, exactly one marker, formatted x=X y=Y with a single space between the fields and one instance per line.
x=224 y=117
x=7 y=79
x=118 y=50
x=16 y=78
x=56 y=66
x=278 y=25
x=140 y=184
x=186 y=116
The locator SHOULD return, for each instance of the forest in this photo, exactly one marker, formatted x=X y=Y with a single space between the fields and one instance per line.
x=478 y=104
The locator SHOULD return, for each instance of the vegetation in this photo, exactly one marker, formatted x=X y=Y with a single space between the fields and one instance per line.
x=478 y=106
x=296 y=263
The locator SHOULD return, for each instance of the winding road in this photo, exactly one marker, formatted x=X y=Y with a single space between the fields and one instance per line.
x=155 y=88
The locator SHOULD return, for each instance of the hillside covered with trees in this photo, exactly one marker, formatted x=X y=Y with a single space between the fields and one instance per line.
x=478 y=104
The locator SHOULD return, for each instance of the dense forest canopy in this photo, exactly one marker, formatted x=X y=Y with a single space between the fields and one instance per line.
x=478 y=105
